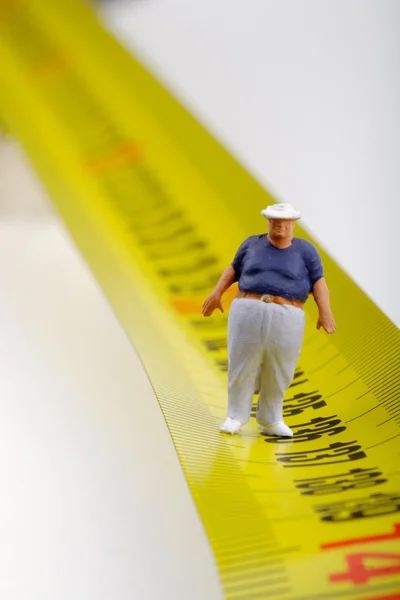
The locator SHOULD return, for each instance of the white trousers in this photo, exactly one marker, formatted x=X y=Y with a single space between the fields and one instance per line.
x=264 y=344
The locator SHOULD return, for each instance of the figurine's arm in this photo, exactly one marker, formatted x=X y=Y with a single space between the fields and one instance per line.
x=213 y=301
x=321 y=297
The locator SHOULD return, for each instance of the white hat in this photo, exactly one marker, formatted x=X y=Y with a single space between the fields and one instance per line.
x=281 y=211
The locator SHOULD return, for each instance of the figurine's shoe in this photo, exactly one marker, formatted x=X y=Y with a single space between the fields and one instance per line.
x=278 y=428
x=230 y=426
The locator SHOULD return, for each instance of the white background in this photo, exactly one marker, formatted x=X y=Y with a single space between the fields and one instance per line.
x=306 y=93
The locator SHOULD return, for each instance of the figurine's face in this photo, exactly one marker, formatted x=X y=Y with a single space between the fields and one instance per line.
x=281 y=228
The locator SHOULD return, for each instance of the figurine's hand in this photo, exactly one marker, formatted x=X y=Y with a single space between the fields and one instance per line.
x=327 y=322
x=212 y=302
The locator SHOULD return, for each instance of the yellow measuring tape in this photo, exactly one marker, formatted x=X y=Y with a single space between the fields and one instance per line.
x=158 y=209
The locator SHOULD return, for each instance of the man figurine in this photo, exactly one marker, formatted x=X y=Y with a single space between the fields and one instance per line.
x=275 y=273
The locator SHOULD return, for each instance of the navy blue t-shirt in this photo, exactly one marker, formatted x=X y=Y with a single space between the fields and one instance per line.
x=290 y=272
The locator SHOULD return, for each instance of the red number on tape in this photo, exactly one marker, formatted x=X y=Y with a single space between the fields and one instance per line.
x=358 y=573
x=380 y=537
x=390 y=597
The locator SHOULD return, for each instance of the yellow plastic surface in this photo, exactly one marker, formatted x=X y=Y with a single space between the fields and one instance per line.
x=158 y=209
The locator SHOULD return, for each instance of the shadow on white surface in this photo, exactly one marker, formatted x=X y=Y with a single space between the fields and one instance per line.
x=94 y=504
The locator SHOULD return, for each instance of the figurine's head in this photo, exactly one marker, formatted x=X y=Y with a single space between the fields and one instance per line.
x=282 y=219
x=280 y=228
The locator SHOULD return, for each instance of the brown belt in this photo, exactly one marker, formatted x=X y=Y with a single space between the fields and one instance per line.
x=267 y=298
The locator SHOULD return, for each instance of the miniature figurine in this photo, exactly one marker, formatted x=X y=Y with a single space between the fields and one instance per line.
x=275 y=273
